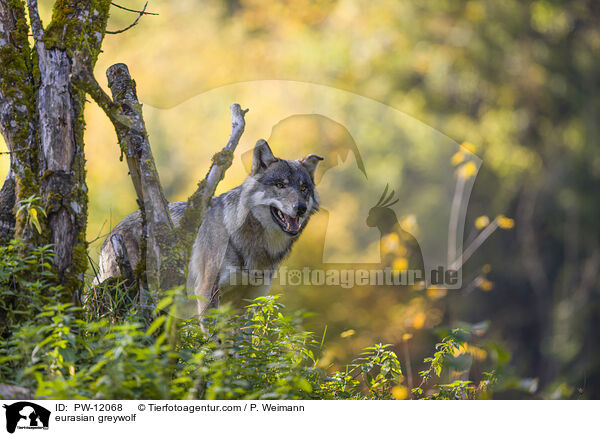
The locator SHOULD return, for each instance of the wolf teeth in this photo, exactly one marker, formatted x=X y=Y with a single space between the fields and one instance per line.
x=281 y=216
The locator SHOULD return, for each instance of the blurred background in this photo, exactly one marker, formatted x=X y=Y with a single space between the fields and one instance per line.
x=511 y=85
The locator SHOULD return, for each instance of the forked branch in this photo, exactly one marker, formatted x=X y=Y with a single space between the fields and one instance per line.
x=200 y=200
x=140 y=13
x=168 y=247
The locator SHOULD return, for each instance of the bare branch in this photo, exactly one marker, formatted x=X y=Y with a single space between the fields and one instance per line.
x=164 y=250
x=134 y=142
x=132 y=10
x=36 y=23
x=158 y=233
x=142 y=12
x=16 y=150
x=83 y=78
x=125 y=113
x=217 y=169
x=200 y=200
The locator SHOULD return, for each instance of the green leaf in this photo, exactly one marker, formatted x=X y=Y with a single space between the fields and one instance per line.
x=156 y=324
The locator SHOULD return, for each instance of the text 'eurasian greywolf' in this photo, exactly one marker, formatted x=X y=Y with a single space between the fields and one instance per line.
x=250 y=228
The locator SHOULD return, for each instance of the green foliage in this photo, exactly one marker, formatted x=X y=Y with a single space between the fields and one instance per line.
x=381 y=370
x=456 y=389
x=444 y=349
x=60 y=351
x=115 y=300
x=27 y=284
x=32 y=210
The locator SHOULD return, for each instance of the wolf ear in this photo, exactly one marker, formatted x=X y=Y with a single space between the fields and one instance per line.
x=263 y=157
x=310 y=162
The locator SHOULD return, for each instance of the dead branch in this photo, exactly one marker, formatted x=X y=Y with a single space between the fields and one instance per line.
x=125 y=113
x=142 y=12
x=217 y=170
x=132 y=10
x=200 y=200
x=36 y=24
x=133 y=138
x=83 y=78
x=164 y=249
x=161 y=269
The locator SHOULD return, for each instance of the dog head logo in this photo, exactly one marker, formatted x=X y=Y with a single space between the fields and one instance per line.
x=26 y=415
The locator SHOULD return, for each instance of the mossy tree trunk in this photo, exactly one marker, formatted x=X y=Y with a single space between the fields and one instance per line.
x=17 y=117
x=42 y=95
x=41 y=116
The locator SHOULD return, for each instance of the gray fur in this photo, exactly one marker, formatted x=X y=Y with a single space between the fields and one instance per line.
x=130 y=228
x=239 y=232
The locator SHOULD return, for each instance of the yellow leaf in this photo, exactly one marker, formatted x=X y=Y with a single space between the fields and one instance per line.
x=457 y=158
x=34 y=220
x=347 y=333
x=486 y=285
x=409 y=224
x=468 y=146
x=482 y=222
x=461 y=349
x=400 y=392
x=467 y=170
x=419 y=320
x=505 y=223
x=436 y=293
x=476 y=352
x=407 y=336
x=400 y=264
x=390 y=243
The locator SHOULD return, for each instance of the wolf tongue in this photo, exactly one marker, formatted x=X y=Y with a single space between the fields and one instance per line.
x=292 y=223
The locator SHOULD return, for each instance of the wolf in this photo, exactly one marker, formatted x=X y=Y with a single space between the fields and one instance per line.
x=250 y=228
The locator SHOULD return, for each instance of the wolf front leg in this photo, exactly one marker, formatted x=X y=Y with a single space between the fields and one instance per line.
x=206 y=292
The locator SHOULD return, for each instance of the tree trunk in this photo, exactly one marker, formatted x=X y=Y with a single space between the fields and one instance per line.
x=42 y=123
x=42 y=97
x=18 y=116
x=7 y=204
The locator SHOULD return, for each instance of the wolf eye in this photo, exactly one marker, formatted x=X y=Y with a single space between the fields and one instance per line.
x=279 y=185
x=303 y=188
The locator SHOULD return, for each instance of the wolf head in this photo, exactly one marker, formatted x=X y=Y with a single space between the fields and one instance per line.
x=282 y=192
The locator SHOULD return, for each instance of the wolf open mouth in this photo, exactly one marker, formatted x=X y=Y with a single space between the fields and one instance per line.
x=289 y=224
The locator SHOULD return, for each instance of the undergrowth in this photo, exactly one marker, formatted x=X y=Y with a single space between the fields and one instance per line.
x=61 y=351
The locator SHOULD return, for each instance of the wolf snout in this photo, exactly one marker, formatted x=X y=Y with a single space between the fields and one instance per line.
x=300 y=209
